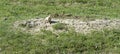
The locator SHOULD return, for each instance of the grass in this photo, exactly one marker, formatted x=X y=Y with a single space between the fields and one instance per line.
x=17 y=42
x=67 y=42
x=60 y=26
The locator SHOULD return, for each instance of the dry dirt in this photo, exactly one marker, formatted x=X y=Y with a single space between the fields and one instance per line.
x=36 y=25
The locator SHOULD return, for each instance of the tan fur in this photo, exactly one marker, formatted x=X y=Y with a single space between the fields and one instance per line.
x=48 y=19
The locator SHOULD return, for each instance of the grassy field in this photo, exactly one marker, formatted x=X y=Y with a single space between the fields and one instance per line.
x=17 y=42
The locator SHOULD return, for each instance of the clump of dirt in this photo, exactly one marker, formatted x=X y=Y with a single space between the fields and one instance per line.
x=36 y=25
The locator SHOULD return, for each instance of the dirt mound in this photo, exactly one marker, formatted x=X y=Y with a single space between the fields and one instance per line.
x=35 y=25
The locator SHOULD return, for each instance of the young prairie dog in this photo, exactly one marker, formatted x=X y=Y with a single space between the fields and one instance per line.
x=48 y=19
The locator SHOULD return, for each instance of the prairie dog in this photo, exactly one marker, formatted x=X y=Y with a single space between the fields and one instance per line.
x=48 y=19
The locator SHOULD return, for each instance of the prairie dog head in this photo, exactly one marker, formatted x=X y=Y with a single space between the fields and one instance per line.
x=48 y=19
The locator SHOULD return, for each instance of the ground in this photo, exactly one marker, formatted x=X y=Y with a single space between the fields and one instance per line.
x=14 y=41
x=64 y=25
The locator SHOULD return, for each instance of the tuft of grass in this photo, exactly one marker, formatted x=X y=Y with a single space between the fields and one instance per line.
x=60 y=26
x=22 y=25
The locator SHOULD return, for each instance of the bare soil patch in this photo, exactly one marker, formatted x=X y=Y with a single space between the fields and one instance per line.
x=36 y=25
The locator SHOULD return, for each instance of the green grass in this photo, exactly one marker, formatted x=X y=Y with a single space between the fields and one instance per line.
x=16 y=42
x=60 y=26
x=13 y=41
